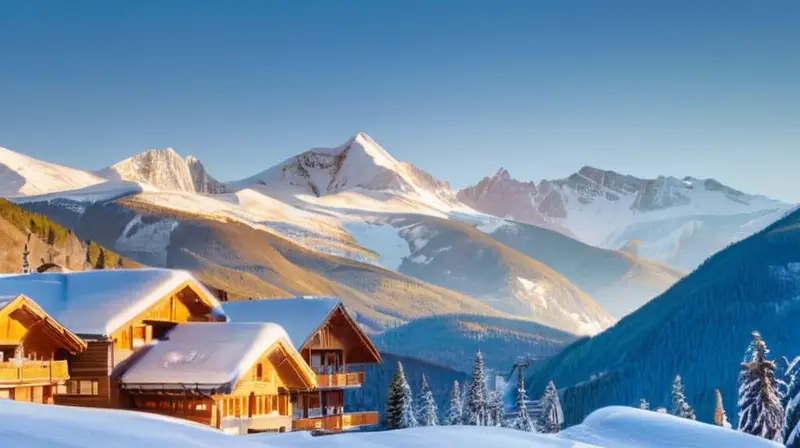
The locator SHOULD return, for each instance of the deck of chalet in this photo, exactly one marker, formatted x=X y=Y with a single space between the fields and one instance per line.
x=331 y=343
x=34 y=349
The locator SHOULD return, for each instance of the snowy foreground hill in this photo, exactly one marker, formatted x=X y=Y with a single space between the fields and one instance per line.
x=47 y=426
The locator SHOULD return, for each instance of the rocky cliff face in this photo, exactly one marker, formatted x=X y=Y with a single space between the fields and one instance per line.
x=203 y=182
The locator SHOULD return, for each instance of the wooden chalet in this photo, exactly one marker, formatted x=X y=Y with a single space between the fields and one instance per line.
x=330 y=342
x=237 y=377
x=33 y=351
x=116 y=312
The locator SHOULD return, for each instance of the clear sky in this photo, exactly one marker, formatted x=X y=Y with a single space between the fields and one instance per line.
x=459 y=88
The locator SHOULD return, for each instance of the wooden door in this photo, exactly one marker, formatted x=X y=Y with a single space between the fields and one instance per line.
x=251 y=402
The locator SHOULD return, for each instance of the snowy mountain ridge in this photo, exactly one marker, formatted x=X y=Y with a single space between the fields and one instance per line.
x=21 y=175
x=607 y=209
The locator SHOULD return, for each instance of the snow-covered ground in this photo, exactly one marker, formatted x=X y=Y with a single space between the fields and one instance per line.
x=46 y=426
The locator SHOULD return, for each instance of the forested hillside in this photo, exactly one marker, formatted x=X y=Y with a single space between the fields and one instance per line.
x=49 y=244
x=453 y=340
x=700 y=329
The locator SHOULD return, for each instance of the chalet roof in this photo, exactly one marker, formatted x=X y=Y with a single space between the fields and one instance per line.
x=71 y=341
x=98 y=302
x=207 y=355
x=301 y=317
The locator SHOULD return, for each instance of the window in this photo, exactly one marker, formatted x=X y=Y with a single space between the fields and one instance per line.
x=259 y=372
x=201 y=407
x=79 y=387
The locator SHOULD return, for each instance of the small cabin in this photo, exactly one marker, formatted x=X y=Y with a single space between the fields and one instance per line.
x=237 y=377
x=331 y=343
x=34 y=349
x=116 y=312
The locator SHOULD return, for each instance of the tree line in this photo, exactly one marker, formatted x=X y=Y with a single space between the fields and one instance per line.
x=476 y=404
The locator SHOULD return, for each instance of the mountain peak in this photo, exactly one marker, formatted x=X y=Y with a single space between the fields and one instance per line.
x=165 y=169
x=360 y=163
x=502 y=173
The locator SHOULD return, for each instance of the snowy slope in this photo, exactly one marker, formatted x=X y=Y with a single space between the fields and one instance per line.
x=624 y=427
x=21 y=175
x=67 y=427
x=668 y=216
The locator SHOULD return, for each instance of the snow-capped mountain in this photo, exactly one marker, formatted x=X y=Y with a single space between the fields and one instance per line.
x=21 y=175
x=166 y=170
x=359 y=164
x=677 y=221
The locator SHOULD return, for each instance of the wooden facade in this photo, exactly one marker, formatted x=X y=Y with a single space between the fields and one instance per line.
x=259 y=400
x=337 y=344
x=94 y=373
x=33 y=352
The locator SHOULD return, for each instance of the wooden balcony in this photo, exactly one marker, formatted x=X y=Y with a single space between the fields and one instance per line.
x=335 y=423
x=33 y=371
x=340 y=380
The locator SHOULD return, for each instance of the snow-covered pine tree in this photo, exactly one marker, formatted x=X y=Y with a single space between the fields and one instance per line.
x=394 y=399
x=760 y=409
x=552 y=416
x=427 y=414
x=399 y=404
x=791 y=404
x=643 y=404
x=455 y=410
x=680 y=406
x=523 y=421
x=475 y=408
x=720 y=418
x=495 y=409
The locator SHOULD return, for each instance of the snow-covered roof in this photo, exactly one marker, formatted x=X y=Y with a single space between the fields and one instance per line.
x=301 y=317
x=213 y=355
x=98 y=302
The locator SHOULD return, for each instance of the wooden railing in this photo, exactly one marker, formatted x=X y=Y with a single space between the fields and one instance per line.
x=352 y=379
x=10 y=371
x=335 y=422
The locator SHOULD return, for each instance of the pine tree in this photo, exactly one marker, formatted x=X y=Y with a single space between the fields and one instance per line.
x=523 y=421
x=399 y=404
x=475 y=408
x=427 y=414
x=455 y=411
x=101 y=260
x=720 y=418
x=680 y=406
x=643 y=404
x=760 y=409
x=552 y=416
x=495 y=410
x=26 y=267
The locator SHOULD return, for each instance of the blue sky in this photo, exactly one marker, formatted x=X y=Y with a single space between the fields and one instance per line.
x=459 y=88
